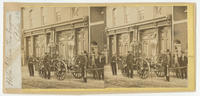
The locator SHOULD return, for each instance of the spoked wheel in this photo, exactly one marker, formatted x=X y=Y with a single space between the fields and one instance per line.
x=160 y=71
x=125 y=71
x=42 y=72
x=77 y=75
x=143 y=68
x=160 y=68
x=60 y=75
x=61 y=71
x=77 y=68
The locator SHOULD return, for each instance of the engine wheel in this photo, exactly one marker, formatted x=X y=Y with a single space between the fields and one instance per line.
x=77 y=75
x=60 y=75
x=143 y=68
x=124 y=71
x=42 y=72
x=60 y=70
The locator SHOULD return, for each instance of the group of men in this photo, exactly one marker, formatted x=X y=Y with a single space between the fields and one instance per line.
x=129 y=61
x=181 y=62
x=33 y=63
x=177 y=61
x=97 y=63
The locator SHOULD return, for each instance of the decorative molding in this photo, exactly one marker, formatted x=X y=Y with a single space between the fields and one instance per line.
x=143 y=25
x=66 y=25
x=97 y=23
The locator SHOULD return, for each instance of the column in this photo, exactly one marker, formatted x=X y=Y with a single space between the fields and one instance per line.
x=137 y=32
x=86 y=41
x=25 y=52
x=157 y=41
x=75 y=43
x=116 y=44
x=108 y=50
x=32 y=46
x=135 y=35
x=45 y=43
x=54 y=42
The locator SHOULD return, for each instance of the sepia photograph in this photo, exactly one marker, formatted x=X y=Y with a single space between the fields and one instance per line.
x=100 y=47
x=57 y=52
x=147 y=46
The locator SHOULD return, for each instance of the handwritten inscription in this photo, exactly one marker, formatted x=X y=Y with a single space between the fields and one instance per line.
x=12 y=58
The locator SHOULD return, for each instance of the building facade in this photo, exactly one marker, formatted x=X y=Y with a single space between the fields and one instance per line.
x=97 y=27
x=152 y=26
x=56 y=30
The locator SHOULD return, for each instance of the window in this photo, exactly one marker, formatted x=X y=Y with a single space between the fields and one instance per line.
x=140 y=13
x=113 y=16
x=74 y=11
x=157 y=11
x=42 y=16
x=58 y=14
x=125 y=15
x=30 y=18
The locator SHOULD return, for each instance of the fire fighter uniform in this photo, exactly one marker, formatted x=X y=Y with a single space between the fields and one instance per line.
x=129 y=61
x=47 y=61
x=114 y=65
x=30 y=66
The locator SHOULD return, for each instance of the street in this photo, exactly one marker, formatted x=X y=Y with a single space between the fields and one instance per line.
x=69 y=82
x=119 y=80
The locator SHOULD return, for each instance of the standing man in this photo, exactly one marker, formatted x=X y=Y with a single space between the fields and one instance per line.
x=129 y=62
x=114 y=65
x=168 y=63
x=84 y=67
x=184 y=62
x=102 y=62
x=47 y=61
x=30 y=66
x=93 y=64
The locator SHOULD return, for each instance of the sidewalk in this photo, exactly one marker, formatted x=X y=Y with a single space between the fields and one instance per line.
x=152 y=81
x=68 y=82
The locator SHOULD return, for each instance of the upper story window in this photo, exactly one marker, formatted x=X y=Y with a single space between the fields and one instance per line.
x=74 y=11
x=42 y=16
x=125 y=15
x=114 y=16
x=157 y=11
x=180 y=13
x=30 y=18
x=140 y=13
x=58 y=14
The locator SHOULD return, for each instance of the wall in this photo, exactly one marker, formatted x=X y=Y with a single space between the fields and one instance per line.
x=48 y=15
x=97 y=26
x=125 y=15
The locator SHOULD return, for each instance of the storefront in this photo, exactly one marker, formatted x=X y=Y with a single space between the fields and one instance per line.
x=66 y=39
x=155 y=35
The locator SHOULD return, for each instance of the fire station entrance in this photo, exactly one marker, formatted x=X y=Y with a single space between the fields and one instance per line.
x=154 y=39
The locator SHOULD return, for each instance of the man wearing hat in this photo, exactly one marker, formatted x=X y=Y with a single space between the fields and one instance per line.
x=114 y=65
x=129 y=62
x=47 y=62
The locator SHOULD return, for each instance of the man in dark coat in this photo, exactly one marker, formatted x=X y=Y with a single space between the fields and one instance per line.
x=183 y=62
x=102 y=62
x=129 y=62
x=84 y=67
x=47 y=61
x=167 y=64
x=114 y=65
x=30 y=66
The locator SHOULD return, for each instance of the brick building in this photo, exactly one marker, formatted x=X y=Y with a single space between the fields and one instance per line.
x=155 y=27
x=62 y=30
